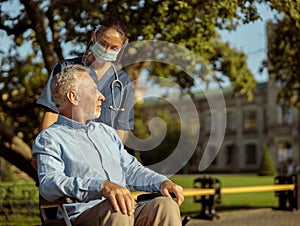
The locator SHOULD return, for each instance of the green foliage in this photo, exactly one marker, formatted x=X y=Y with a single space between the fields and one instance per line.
x=19 y=203
x=165 y=148
x=284 y=51
x=174 y=129
x=140 y=119
x=21 y=85
x=6 y=172
x=267 y=167
x=194 y=25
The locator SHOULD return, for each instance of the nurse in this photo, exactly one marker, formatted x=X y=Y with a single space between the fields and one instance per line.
x=108 y=40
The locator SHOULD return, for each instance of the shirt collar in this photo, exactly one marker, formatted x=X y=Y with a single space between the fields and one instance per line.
x=62 y=120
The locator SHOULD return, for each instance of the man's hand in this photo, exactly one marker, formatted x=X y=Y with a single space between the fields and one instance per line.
x=167 y=187
x=120 y=197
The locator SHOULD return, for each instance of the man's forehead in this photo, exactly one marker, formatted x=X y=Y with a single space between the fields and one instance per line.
x=85 y=79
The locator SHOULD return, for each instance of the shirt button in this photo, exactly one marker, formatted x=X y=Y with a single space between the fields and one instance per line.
x=92 y=126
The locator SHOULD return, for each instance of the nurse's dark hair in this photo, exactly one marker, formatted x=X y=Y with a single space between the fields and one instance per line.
x=112 y=22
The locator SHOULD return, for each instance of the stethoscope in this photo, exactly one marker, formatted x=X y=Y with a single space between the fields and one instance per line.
x=114 y=83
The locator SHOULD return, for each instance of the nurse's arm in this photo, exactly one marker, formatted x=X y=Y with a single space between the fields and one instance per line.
x=48 y=119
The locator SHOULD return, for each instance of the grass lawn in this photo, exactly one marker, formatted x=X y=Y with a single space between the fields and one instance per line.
x=231 y=201
x=20 y=220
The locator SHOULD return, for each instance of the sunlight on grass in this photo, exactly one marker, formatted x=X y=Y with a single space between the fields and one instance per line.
x=231 y=201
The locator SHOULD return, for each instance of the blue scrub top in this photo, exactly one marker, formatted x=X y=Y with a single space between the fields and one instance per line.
x=120 y=120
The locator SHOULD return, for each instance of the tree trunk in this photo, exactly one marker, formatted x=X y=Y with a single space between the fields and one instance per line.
x=34 y=13
x=16 y=151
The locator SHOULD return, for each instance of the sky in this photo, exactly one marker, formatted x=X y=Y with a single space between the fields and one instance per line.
x=251 y=38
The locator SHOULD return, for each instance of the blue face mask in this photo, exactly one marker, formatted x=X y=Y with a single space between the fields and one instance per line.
x=102 y=54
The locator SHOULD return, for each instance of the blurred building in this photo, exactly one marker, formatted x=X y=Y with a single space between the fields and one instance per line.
x=250 y=125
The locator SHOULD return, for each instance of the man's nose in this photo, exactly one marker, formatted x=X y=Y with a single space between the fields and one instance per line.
x=101 y=97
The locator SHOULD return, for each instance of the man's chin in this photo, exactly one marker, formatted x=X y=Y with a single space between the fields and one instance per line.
x=94 y=117
x=97 y=115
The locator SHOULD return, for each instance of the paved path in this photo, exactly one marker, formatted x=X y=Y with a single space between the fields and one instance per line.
x=257 y=217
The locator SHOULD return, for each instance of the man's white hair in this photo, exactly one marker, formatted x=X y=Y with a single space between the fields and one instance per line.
x=65 y=81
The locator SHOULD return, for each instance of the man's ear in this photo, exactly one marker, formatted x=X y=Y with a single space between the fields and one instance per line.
x=72 y=97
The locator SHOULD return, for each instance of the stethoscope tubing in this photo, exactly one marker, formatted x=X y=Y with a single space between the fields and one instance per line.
x=114 y=107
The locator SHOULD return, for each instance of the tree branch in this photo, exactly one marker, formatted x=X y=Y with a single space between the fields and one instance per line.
x=35 y=15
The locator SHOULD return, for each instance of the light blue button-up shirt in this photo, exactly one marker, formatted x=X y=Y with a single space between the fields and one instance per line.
x=74 y=159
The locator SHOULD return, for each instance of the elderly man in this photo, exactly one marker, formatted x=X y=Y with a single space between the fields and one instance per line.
x=86 y=161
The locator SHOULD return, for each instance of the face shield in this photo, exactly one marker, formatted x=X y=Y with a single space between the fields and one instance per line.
x=103 y=50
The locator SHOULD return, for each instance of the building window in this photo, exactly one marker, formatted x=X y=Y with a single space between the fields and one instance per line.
x=250 y=154
x=284 y=115
x=212 y=155
x=231 y=121
x=231 y=151
x=250 y=121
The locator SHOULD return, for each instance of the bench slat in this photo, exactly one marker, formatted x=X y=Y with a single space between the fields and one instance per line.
x=231 y=190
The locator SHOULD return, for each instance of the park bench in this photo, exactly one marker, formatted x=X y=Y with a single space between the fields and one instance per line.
x=208 y=192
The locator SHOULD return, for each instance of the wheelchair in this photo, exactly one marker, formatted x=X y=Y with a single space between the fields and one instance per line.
x=48 y=210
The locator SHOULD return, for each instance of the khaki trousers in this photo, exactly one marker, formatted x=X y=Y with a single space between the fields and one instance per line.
x=161 y=211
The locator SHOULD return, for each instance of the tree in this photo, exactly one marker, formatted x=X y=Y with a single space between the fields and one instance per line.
x=40 y=31
x=284 y=51
x=266 y=167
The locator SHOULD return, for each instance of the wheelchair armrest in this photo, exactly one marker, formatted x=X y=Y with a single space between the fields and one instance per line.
x=148 y=196
x=60 y=201
x=58 y=204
